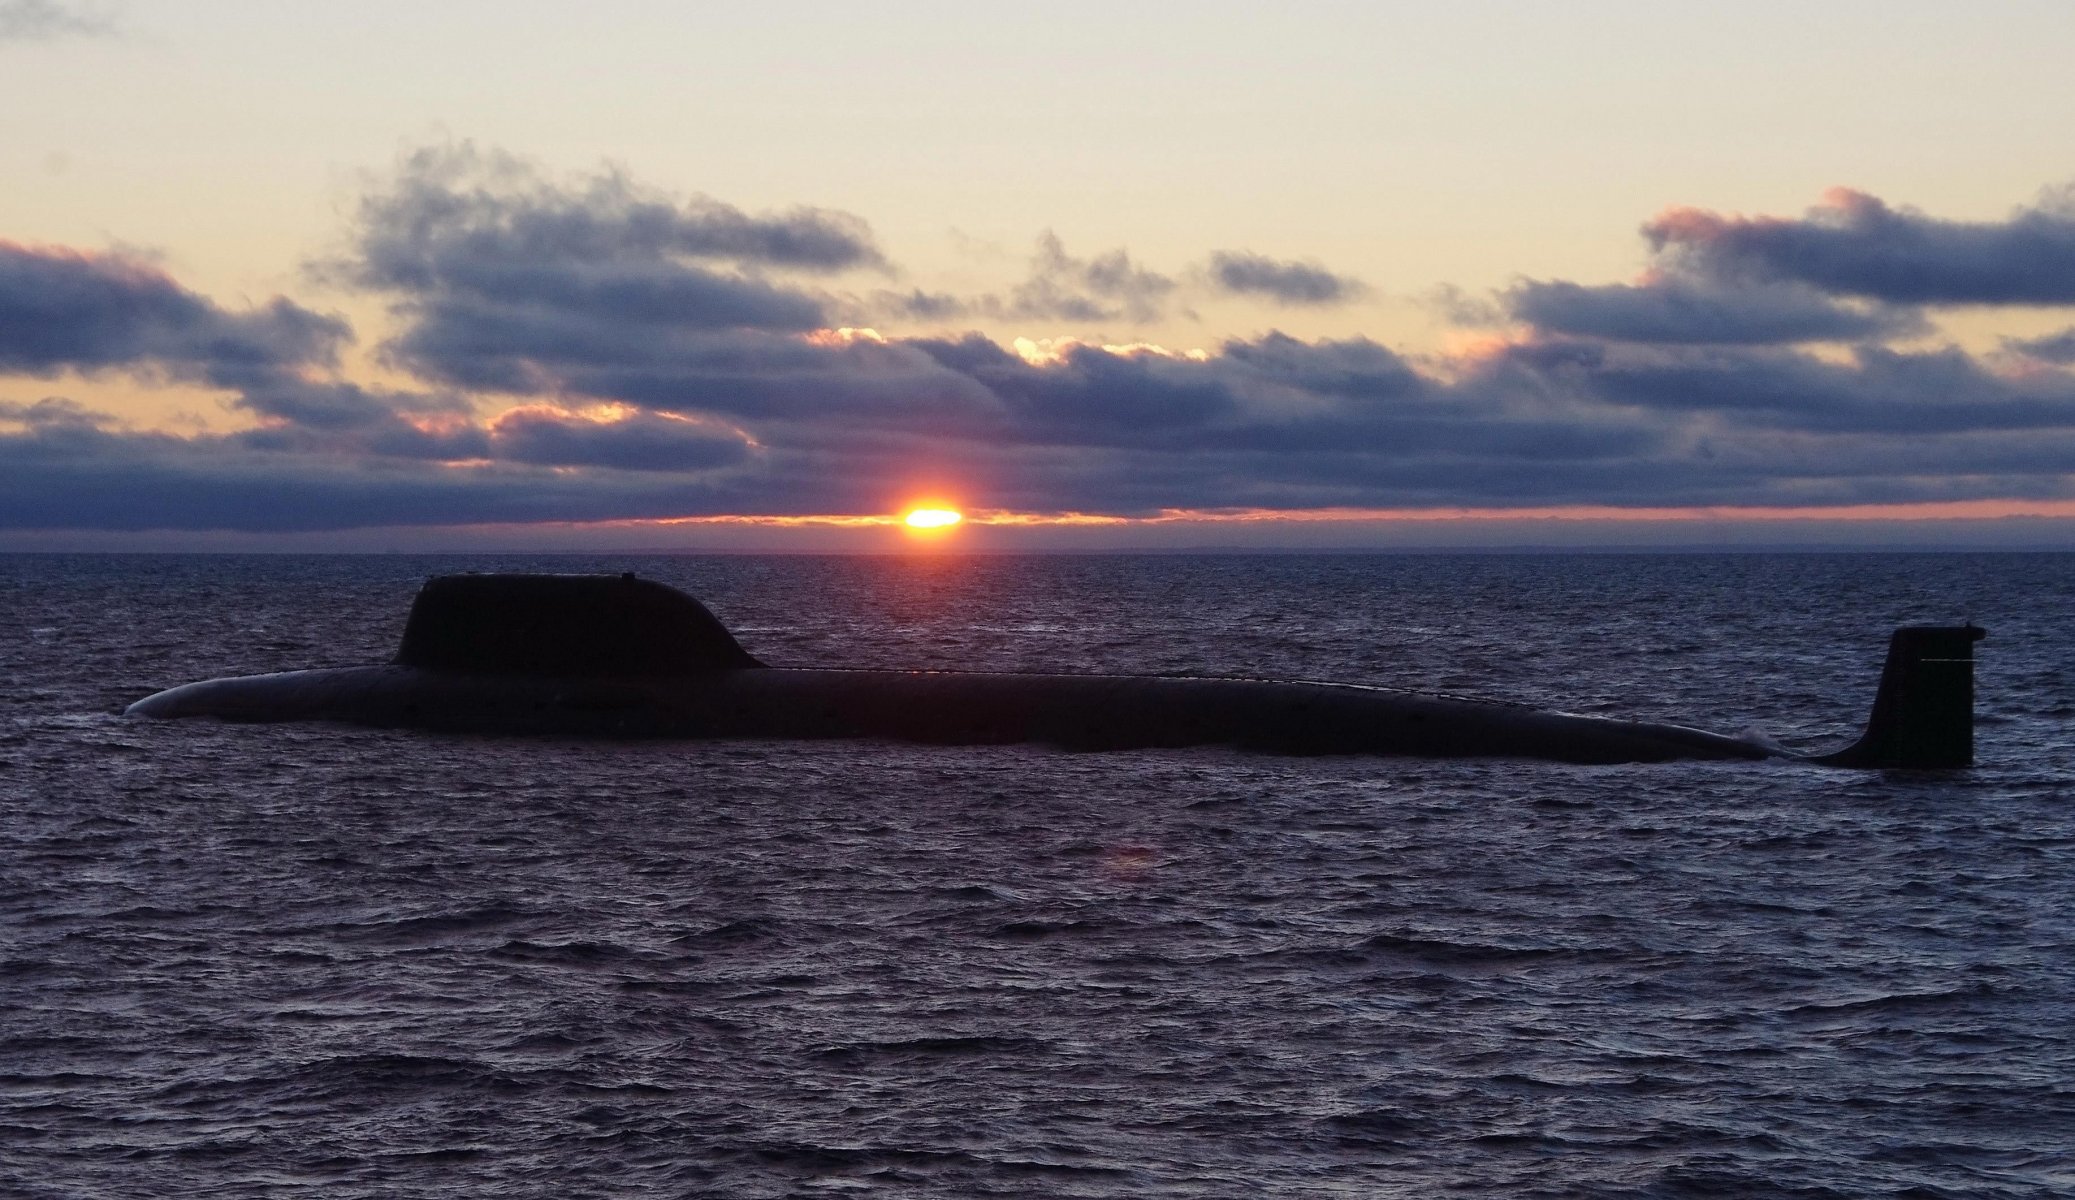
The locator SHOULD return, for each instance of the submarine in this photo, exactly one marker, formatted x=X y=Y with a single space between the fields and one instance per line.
x=620 y=656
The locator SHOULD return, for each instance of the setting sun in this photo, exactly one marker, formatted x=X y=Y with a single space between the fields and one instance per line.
x=933 y=518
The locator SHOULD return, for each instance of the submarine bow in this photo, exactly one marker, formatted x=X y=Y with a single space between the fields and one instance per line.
x=627 y=657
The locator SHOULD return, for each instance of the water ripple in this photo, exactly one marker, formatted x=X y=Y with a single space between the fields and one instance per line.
x=243 y=961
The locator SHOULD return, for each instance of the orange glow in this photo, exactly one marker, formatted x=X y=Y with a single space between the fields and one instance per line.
x=845 y=336
x=1949 y=510
x=1050 y=352
x=1946 y=510
x=933 y=518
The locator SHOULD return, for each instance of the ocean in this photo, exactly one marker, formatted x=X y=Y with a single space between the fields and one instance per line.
x=272 y=960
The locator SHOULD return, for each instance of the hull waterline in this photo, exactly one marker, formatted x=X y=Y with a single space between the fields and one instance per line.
x=1082 y=712
x=615 y=656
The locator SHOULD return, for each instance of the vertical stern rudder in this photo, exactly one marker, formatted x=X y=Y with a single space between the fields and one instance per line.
x=1923 y=715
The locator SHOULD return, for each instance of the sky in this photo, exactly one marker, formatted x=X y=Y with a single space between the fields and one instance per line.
x=621 y=275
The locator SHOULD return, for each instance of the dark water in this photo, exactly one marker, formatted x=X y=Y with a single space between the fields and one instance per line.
x=267 y=960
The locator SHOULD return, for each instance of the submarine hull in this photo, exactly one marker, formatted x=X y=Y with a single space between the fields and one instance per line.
x=618 y=656
x=1081 y=712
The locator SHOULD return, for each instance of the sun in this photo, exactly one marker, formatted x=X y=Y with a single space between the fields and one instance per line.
x=932 y=518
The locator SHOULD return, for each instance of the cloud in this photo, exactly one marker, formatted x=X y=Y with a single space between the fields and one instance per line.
x=464 y=216
x=43 y=20
x=1275 y=422
x=1057 y=287
x=1462 y=308
x=1104 y=288
x=490 y=263
x=918 y=305
x=1701 y=311
x=1855 y=244
x=1853 y=269
x=1112 y=287
x=1297 y=284
x=2053 y=348
x=629 y=441
x=334 y=405
x=1765 y=391
x=94 y=479
x=54 y=412
x=66 y=309
x=586 y=350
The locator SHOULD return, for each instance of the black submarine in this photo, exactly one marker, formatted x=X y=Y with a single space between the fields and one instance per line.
x=618 y=656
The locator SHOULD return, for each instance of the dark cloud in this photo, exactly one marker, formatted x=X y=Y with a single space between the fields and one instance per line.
x=459 y=216
x=1083 y=293
x=1290 y=283
x=65 y=309
x=42 y=20
x=1700 y=311
x=54 y=412
x=92 y=479
x=500 y=345
x=1851 y=270
x=2053 y=348
x=1104 y=288
x=391 y=438
x=1461 y=308
x=335 y=406
x=1856 y=245
x=918 y=305
x=673 y=364
x=1273 y=422
x=493 y=266
x=1087 y=293
x=1091 y=396
x=633 y=442
x=1880 y=391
